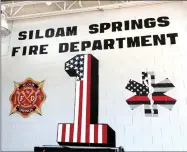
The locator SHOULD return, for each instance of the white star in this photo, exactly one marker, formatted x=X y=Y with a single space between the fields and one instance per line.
x=71 y=66
x=81 y=68
x=81 y=62
x=81 y=74
x=67 y=64
x=75 y=68
x=76 y=62
x=82 y=57
x=67 y=68
x=77 y=58
x=71 y=61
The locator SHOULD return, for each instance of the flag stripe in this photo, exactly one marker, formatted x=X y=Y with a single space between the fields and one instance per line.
x=148 y=111
x=149 y=106
x=91 y=133
x=104 y=135
x=59 y=132
x=67 y=133
x=100 y=133
x=95 y=133
x=83 y=129
x=80 y=112
x=71 y=133
x=163 y=85
x=63 y=132
x=169 y=102
x=88 y=100
x=76 y=117
x=163 y=98
x=162 y=89
x=138 y=98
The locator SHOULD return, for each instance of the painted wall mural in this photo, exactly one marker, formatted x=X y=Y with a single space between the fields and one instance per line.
x=97 y=92
x=150 y=94
x=85 y=130
x=27 y=97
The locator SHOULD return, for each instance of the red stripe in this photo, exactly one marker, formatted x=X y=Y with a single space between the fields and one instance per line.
x=63 y=132
x=163 y=98
x=95 y=133
x=88 y=100
x=146 y=99
x=80 y=112
x=138 y=99
x=71 y=132
x=104 y=134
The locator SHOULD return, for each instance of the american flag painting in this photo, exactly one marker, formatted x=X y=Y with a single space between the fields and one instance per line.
x=150 y=95
x=85 y=129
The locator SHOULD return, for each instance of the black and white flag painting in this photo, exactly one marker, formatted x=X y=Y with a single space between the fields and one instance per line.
x=150 y=94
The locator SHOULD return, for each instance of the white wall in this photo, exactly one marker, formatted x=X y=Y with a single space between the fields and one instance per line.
x=134 y=131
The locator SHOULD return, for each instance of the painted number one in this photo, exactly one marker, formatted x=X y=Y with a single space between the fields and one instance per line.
x=85 y=130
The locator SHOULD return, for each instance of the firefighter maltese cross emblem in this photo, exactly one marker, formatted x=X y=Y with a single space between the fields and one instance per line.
x=150 y=94
x=27 y=97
